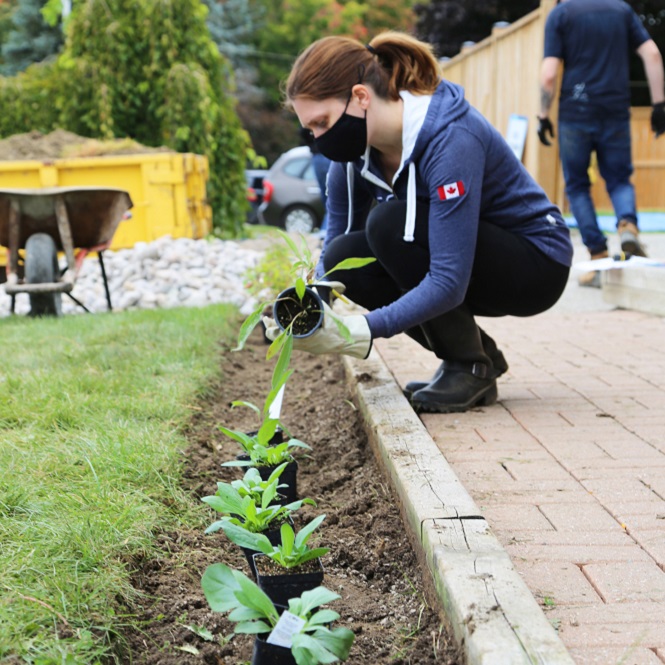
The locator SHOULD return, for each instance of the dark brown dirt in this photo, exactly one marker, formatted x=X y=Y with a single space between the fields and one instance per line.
x=370 y=564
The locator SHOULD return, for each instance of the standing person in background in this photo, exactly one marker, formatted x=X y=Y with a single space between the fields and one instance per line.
x=320 y=164
x=422 y=182
x=594 y=40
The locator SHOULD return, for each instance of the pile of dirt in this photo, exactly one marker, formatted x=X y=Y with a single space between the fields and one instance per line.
x=60 y=144
x=371 y=564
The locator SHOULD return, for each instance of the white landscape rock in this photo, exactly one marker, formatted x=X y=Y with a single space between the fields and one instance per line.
x=168 y=272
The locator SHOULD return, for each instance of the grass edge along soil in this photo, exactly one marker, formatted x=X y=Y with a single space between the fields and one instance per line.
x=92 y=412
x=371 y=564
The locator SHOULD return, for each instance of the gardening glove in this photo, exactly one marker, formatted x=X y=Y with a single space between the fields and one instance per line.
x=328 y=338
x=325 y=288
x=545 y=128
x=658 y=118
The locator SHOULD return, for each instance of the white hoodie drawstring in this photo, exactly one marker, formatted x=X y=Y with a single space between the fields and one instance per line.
x=410 y=225
x=349 y=188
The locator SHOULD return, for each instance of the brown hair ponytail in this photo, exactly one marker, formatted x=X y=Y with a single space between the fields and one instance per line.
x=393 y=61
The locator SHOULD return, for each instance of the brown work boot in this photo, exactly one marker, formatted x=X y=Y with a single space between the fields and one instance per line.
x=628 y=236
x=592 y=278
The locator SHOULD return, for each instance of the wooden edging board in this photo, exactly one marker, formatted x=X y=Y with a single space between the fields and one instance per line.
x=492 y=613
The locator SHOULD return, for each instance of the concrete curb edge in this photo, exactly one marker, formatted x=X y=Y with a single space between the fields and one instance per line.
x=493 y=614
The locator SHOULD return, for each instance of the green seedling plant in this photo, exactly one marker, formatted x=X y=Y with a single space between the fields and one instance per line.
x=252 y=612
x=257 y=446
x=254 y=511
x=303 y=269
x=293 y=550
x=252 y=485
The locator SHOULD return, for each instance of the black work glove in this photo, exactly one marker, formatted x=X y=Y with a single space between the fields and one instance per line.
x=658 y=118
x=545 y=127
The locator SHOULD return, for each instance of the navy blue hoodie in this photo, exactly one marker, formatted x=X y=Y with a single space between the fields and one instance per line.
x=454 y=159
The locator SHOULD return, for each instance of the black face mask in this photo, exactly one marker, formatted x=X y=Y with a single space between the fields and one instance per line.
x=346 y=140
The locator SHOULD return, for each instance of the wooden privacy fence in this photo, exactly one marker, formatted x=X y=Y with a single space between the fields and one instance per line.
x=500 y=76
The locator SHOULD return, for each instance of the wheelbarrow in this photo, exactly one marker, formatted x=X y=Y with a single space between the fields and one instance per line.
x=43 y=222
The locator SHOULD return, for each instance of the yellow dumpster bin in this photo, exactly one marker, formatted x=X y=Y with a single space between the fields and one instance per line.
x=168 y=190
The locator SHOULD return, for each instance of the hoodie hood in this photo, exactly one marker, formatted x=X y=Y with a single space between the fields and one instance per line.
x=423 y=117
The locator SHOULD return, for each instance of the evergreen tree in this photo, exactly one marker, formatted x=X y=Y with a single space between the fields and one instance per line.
x=31 y=39
x=232 y=26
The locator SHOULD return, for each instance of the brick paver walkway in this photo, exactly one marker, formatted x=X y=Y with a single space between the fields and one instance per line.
x=569 y=470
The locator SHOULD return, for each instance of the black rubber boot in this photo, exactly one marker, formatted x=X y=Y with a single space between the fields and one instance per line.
x=414 y=386
x=460 y=387
x=499 y=364
x=468 y=377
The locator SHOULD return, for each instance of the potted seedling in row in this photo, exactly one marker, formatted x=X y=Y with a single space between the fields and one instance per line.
x=286 y=569
x=299 y=309
x=299 y=634
x=251 y=505
x=271 y=444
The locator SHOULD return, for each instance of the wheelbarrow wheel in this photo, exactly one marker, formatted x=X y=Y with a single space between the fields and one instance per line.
x=41 y=266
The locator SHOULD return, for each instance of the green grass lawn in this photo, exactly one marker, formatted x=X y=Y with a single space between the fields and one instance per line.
x=91 y=415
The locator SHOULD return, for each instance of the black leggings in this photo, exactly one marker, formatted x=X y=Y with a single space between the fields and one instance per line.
x=510 y=275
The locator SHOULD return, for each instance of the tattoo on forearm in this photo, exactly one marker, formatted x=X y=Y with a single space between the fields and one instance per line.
x=545 y=99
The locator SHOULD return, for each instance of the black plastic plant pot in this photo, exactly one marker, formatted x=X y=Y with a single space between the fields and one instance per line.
x=270 y=654
x=274 y=536
x=281 y=584
x=302 y=317
x=289 y=477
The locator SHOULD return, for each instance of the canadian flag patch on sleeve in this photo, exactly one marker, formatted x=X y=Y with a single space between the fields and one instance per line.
x=452 y=190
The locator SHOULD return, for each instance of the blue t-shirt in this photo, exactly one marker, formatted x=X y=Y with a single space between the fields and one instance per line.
x=595 y=39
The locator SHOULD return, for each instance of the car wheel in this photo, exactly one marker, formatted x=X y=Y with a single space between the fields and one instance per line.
x=299 y=219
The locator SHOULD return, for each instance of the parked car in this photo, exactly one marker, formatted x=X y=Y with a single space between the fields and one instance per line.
x=254 y=178
x=291 y=194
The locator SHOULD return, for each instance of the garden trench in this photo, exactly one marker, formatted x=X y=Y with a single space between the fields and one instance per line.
x=371 y=564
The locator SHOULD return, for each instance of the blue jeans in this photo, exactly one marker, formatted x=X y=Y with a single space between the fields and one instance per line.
x=610 y=139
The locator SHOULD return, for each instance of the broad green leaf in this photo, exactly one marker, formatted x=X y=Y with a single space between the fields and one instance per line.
x=243 y=613
x=316 y=597
x=269 y=494
x=296 y=443
x=237 y=463
x=240 y=402
x=276 y=345
x=306 y=531
x=323 y=617
x=350 y=263
x=244 y=538
x=288 y=538
x=300 y=287
x=280 y=373
x=316 y=553
x=215 y=526
x=338 y=640
x=219 y=585
x=252 y=628
x=243 y=439
x=228 y=500
x=303 y=643
x=252 y=596
x=277 y=472
x=248 y=326
x=267 y=431
x=292 y=246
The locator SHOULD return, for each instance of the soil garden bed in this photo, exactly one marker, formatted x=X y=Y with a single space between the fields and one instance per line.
x=370 y=564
